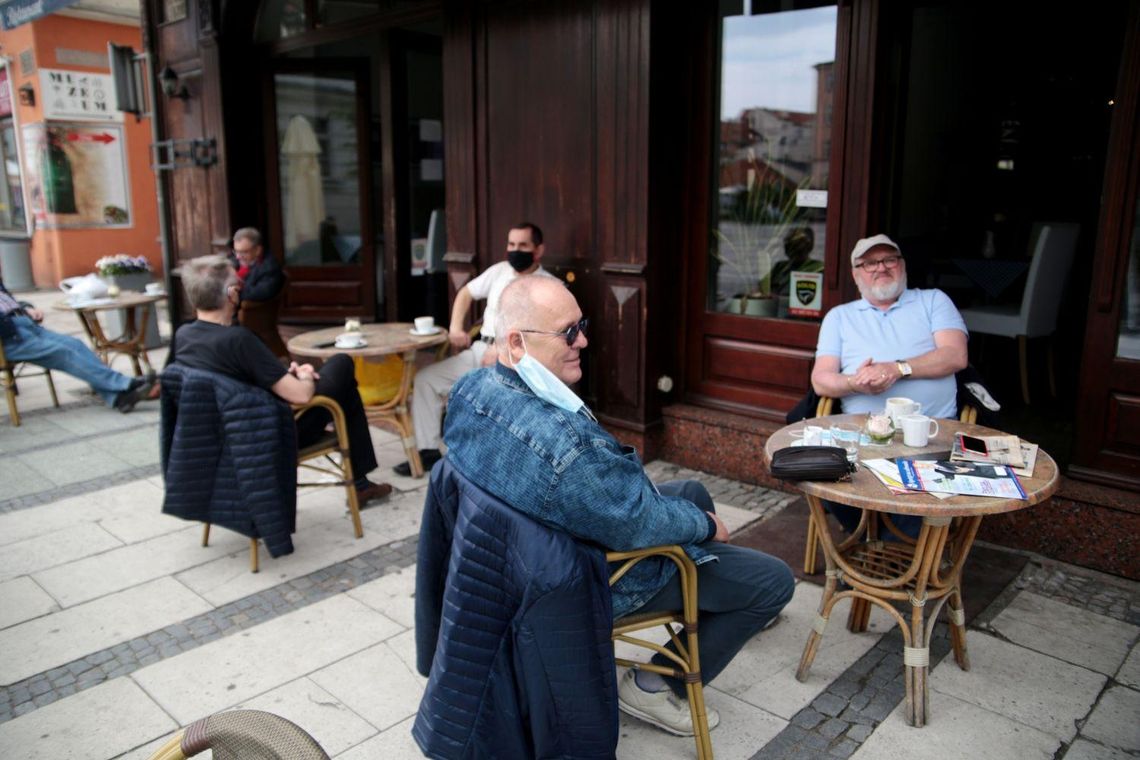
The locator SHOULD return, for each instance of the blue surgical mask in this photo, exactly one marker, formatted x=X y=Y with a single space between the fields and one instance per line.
x=546 y=384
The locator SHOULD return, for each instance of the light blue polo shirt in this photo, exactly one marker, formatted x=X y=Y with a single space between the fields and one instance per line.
x=857 y=330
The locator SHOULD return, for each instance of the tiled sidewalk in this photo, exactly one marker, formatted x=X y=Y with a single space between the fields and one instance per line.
x=116 y=627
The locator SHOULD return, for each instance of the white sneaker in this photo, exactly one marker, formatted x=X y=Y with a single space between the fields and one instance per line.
x=663 y=709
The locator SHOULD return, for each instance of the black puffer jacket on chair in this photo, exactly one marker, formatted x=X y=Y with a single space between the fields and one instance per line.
x=229 y=456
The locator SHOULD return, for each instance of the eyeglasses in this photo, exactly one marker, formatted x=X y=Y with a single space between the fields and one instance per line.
x=570 y=333
x=889 y=262
x=246 y=252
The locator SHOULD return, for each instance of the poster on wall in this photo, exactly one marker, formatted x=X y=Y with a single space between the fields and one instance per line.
x=76 y=175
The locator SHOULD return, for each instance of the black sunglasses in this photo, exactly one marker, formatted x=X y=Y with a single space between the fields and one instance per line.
x=570 y=333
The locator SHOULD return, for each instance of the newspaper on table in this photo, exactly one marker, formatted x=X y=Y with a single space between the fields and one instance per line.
x=966 y=478
x=1028 y=457
x=1000 y=449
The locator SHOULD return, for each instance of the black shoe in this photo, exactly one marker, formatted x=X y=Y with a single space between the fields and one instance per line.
x=139 y=389
x=428 y=457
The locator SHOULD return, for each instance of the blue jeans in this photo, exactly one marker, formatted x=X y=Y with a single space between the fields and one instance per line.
x=848 y=517
x=35 y=345
x=738 y=593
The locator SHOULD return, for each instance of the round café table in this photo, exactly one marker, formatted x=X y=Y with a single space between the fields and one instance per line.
x=925 y=572
x=382 y=339
x=136 y=310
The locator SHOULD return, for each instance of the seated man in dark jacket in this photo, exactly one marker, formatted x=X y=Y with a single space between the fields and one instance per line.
x=261 y=276
x=213 y=343
x=518 y=432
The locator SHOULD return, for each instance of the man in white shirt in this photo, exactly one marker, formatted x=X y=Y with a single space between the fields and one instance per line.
x=433 y=383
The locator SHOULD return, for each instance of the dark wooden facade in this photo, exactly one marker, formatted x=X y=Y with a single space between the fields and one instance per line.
x=593 y=119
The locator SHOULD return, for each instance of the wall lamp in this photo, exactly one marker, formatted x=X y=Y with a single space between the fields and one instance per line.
x=168 y=78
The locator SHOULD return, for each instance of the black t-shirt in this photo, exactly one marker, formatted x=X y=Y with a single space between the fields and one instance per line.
x=233 y=351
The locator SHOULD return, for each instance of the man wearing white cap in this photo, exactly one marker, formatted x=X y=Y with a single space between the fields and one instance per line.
x=893 y=341
x=906 y=341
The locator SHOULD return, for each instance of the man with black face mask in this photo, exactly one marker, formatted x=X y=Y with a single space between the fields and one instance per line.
x=433 y=383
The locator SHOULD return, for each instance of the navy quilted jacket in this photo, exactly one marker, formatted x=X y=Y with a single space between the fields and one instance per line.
x=229 y=456
x=519 y=663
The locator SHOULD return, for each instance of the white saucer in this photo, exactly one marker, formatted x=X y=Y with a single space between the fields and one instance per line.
x=419 y=334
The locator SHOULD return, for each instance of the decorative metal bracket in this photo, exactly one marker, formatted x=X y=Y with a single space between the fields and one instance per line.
x=178 y=154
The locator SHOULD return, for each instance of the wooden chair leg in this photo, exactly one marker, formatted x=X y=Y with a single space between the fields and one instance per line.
x=51 y=388
x=253 y=568
x=811 y=546
x=13 y=413
x=1022 y=350
x=350 y=494
x=206 y=534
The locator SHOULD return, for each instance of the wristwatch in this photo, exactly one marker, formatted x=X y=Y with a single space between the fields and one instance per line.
x=904 y=368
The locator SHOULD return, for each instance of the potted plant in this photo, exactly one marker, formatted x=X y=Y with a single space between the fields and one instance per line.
x=124 y=272
x=752 y=232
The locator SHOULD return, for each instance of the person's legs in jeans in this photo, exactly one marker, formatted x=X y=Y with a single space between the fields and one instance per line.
x=848 y=517
x=338 y=382
x=35 y=345
x=738 y=594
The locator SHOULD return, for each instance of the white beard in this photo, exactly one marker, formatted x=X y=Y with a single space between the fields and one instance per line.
x=886 y=292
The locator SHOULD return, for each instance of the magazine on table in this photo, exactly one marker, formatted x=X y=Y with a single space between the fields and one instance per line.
x=887 y=471
x=966 y=478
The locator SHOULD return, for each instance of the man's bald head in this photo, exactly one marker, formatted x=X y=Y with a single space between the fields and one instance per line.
x=534 y=316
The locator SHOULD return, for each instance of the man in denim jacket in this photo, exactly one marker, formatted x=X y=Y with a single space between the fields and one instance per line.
x=517 y=431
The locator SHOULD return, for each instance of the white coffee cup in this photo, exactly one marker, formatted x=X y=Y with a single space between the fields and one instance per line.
x=918 y=429
x=899 y=406
x=425 y=324
x=154 y=288
x=813 y=435
x=349 y=340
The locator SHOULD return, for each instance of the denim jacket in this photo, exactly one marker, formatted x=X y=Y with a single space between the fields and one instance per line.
x=566 y=471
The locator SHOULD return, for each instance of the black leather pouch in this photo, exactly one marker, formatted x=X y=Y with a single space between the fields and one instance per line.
x=811 y=463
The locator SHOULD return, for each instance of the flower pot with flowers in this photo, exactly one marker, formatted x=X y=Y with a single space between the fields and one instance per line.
x=125 y=272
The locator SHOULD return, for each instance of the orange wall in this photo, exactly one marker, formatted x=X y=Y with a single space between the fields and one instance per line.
x=63 y=253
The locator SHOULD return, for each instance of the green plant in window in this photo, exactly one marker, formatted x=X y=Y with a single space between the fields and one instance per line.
x=751 y=232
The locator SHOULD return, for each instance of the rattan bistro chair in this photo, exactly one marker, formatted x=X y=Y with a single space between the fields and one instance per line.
x=9 y=371
x=969 y=415
x=686 y=658
x=242 y=735
x=319 y=457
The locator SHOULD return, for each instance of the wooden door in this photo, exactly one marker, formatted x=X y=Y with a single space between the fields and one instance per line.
x=1108 y=408
x=320 y=186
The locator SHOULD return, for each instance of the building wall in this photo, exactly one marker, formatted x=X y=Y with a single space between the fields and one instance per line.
x=60 y=253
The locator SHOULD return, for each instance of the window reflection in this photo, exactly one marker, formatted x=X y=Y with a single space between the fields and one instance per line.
x=766 y=256
x=318 y=165
x=1128 y=344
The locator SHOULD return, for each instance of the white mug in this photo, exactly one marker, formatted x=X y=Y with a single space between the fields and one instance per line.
x=813 y=435
x=918 y=429
x=899 y=406
x=349 y=340
x=154 y=288
x=424 y=324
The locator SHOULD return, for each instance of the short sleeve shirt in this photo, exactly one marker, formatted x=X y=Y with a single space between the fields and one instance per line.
x=857 y=330
x=230 y=350
x=489 y=285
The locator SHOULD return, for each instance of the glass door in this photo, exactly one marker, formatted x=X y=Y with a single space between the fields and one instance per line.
x=322 y=172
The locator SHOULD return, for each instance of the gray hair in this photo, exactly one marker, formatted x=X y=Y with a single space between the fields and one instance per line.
x=206 y=279
x=248 y=233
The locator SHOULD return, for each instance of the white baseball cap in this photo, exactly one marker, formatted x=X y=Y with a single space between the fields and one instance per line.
x=867 y=244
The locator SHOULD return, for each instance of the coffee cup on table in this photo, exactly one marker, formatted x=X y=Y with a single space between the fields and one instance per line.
x=349 y=340
x=900 y=406
x=918 y=429
x=154 y=288
x=425 y=324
